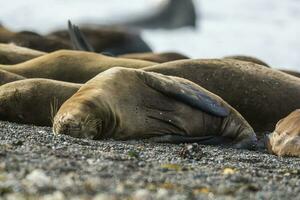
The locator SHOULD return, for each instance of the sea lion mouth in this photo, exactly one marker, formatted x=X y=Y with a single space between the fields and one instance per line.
x=87 y=127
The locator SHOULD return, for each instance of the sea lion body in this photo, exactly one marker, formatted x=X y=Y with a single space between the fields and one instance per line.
x=7 y=77
x=125 y=103
x=33 y=101
x=285 y=139
x=113 y=40
x=13 y=54
x=262 y=95
x=33 y=40
x=70 y=66
x=156 y=57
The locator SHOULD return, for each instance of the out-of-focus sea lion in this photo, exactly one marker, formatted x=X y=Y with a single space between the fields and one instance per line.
x=71 y=66
x=34 y=101
x=262 y=95
x=7 y=77
x=113 y=40
x=125 y=103
x=33 y=40
x=285 y=139
x=13 y=54
x=170 y=14
x=156 y=57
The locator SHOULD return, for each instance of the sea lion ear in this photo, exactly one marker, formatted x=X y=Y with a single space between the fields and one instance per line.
x=78 y=40
x=185 y=91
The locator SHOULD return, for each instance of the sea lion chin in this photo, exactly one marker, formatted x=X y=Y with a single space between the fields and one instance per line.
x=150 y=105
x=285 y=139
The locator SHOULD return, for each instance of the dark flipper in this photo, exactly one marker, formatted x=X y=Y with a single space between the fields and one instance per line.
x=177 y=139
x=185 y=91
x=78 y=39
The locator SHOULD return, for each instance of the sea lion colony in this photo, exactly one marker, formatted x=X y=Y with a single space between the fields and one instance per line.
x=227 y=101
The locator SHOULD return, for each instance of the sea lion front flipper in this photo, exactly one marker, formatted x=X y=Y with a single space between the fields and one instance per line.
x=78 y=39
x=177 y=139
x=185 y=91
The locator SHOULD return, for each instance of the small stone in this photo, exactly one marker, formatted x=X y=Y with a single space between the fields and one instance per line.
x=38 y=178
x=104 y=197
x=55 y=196
x=162 y=194
x=142 y=194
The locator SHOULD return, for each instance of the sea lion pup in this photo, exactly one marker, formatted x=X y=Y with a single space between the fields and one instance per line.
x=123 y=103
x=248 y=59
x=285 y=139
x=71 y=66
x=7 y=77
x=33 y=40
x=262 y=95
x=34 y=101
x=13 y=54
x=156 y=57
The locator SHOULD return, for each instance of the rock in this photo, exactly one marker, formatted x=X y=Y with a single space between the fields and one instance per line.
x=38 y=178
x=142 y=194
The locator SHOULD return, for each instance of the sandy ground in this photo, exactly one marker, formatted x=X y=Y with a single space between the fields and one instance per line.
x=35 y=164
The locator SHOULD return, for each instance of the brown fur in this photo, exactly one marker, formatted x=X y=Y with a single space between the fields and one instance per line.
x=262 y=95
x=285 y=140
x=124 y=103
x=248 y=59
x=33 y=40
x=71 y=66
x=12 y=54
x=7 y=77
x=156 y=57
x=34 y=101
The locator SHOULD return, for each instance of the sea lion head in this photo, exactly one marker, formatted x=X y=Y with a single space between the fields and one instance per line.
x=78 y=119
x=285 y=140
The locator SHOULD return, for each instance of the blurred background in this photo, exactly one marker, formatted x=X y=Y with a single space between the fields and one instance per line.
x=266 y=29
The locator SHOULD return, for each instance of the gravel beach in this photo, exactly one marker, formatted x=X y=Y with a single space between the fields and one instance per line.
x=34 y=164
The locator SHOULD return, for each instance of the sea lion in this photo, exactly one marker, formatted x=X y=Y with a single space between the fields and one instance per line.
x=248 y=59
x=125 y=104
x=33 y=40
x=260 y=62
x=156 y=57
x=262 y=95
x=71 y=66
x=13 y=54
x=290 y=72
x=112 y=40
x=285 y=139
x=7 y=77
x=34 y=101
x=171 y=14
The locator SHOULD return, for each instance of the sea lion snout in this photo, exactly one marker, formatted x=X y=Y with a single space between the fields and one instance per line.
x=75 y=126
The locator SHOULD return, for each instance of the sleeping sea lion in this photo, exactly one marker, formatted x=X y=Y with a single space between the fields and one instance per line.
x=156 y=57
x=34 y=101
x=125 y=104
x=33 y=40
x=260 y=62
x=71 y=66
x=262 y=95
x=285 y=139
x=7 y=77
x=12 y=54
